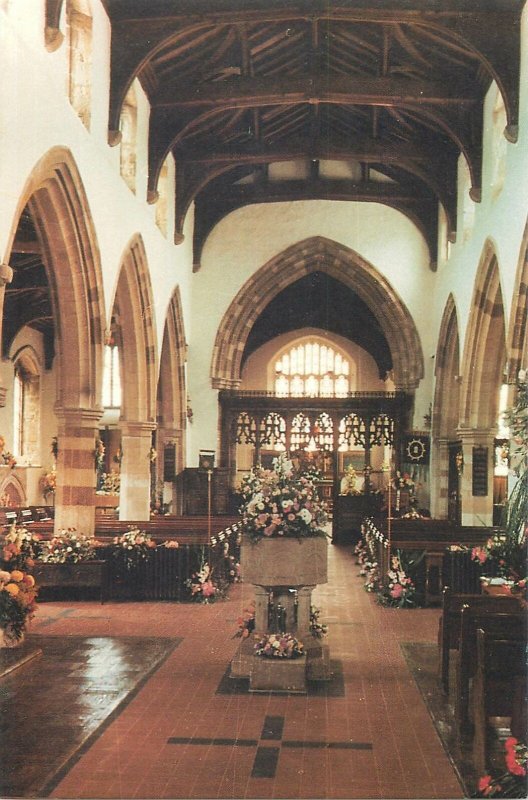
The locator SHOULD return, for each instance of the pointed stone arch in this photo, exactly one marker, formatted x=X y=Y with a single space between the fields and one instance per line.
x=12 y=492
x=317 y=254
x=446 y=406
x=133 y=311
x=484 y=363
x=518 y=329
x=134 y=326
x=171 y=383
x=172 y=401
x=485 y=347
x=55 y=196
x=57 y=201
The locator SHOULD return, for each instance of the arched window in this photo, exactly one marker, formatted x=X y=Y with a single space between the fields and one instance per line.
x=26 y=406
x=128 y=128
x=79 y=33
x=312 y=369
x=111 y=377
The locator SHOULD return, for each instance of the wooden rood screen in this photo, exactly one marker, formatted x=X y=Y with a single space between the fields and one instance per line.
x=267 y=422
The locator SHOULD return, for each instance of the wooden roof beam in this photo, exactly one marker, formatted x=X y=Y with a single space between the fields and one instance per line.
x=317 y=87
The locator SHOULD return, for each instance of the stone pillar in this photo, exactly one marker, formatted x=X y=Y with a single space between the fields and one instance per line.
x=6 y=276
x=476 y=510
x=75 y=493
x=304 y=603
x=261 y=609
x=439 y=478
x=134 y=497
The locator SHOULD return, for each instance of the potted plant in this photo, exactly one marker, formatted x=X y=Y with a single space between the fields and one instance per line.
x=18 y=593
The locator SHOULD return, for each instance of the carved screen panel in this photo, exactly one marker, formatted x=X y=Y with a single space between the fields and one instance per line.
x=300 y=432
x=246 y=429
x=324 y=432
x=381 y=430
x=273 y=431
x=352 y=431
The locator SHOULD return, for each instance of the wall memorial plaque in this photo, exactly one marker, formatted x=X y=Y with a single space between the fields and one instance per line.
x=480 y=471
x=169 y=462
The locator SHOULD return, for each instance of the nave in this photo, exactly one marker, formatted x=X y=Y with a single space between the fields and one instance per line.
x=369 y=735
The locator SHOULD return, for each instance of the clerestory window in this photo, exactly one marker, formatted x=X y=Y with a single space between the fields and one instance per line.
x=312 y=369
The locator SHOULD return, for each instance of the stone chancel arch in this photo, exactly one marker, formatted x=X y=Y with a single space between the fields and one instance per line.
x=323 y=255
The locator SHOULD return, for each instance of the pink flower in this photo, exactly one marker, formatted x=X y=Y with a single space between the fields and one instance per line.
x=397 y=590
x=269 y=531
x=484 y=784
x=208 y=589
x=291 y=517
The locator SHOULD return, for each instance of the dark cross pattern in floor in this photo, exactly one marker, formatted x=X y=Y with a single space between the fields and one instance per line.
x=267 y=757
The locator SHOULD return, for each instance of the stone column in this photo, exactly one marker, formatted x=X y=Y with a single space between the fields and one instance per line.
x=134 y=497
x=476 y=510
x=6 y=276
x=439 y=478
x=75 y=493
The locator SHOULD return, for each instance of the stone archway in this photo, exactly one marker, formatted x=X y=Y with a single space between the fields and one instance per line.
x=56 y=199
x=134 y=324
x=172 y=397
x=446 y=406
x=518 y=330
x=317 y=254
x=484 y=363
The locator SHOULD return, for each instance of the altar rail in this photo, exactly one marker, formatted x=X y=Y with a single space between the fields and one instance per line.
x=440 y=566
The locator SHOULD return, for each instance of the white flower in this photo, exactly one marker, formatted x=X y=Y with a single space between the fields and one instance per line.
x=305 y=515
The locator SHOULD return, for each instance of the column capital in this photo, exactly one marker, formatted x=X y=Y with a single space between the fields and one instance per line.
x=135 y=428
x=477 y=435
x=80 y=417
x=6 y=274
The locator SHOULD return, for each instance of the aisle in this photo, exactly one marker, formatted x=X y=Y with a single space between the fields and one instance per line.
x=180 y=738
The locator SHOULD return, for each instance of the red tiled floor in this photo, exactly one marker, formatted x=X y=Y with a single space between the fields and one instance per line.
x=382 y=706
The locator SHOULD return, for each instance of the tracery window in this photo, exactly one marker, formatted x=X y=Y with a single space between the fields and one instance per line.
x=111 y=377
x=351 y=432
x=300 y=432
x=312 y=369
x=26 y=406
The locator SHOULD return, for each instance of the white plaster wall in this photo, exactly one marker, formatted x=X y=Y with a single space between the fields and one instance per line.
x=33 y=90
x=246 y=239
x=259 y=370
x=500 y=218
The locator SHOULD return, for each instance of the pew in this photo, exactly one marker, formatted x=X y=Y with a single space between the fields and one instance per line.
x=449 y=623
x=500 y=670
x=432 y=537
x=497 y=624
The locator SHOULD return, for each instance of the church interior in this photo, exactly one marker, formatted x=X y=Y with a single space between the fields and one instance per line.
x=263 y=392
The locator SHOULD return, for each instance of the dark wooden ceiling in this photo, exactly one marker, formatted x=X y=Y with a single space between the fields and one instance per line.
x=392 y=89
x=27 y=297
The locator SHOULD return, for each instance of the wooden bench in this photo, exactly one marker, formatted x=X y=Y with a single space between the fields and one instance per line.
x=449 y=623
x=497 y=624
x=500 y=670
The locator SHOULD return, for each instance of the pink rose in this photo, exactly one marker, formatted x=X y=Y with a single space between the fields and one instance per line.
x=208 y=589
x=397 y=590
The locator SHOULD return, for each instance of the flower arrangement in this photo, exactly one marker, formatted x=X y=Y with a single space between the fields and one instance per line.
x=203 y=590
x=246 y=622
x=399 y=590
x=48 y=482
x=20 y=548
x=109 y=483
x=513 y=782
x=132 y=547
x=282 y=503
x=99 y=454
x=279 y=645
x=403 y=482
x=18 y=594
x=506 y=555
x=67 y=547
x=6 y=458
x=317 y=628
